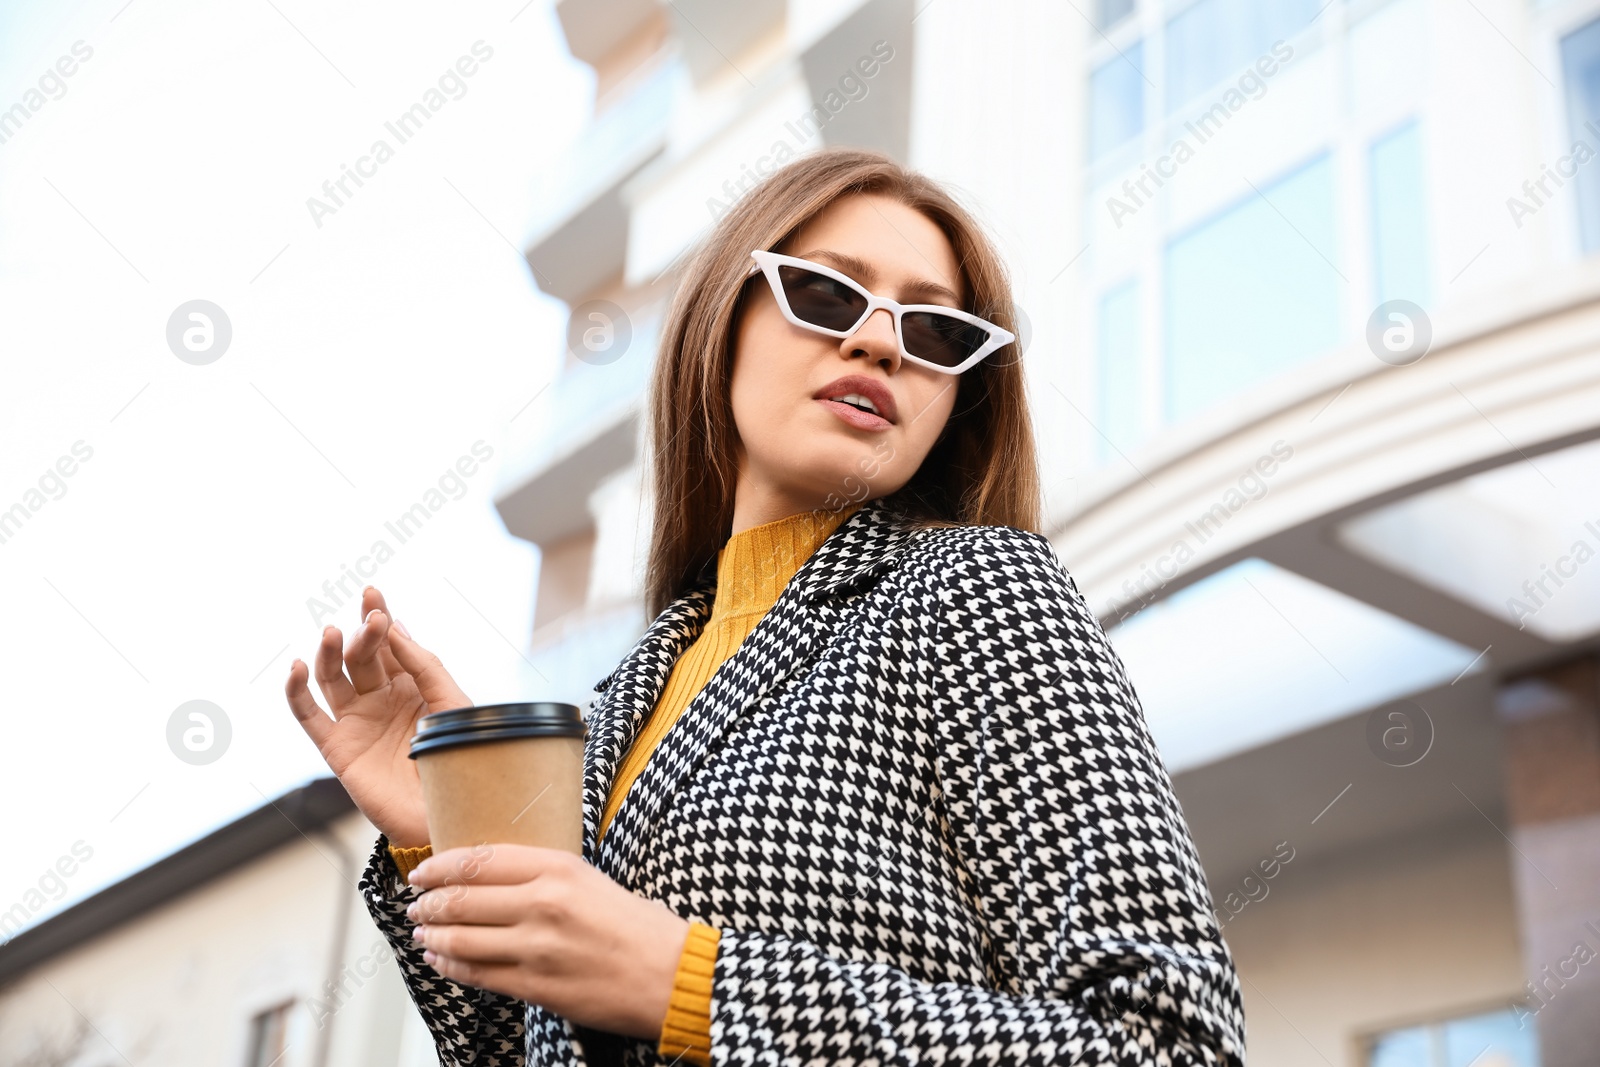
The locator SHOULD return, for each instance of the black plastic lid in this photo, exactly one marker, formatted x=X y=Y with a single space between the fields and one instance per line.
x=496 y=722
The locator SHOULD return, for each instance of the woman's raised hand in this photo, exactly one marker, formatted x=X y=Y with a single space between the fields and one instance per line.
x=385 y=683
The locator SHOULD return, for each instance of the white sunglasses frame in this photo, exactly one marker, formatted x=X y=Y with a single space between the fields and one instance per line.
x=767 y=263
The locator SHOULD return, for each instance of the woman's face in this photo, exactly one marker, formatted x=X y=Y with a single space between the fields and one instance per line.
x=799 y=450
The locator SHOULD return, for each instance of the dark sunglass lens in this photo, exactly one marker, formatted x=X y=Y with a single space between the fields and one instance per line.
x=942 y=339
x=820 y=300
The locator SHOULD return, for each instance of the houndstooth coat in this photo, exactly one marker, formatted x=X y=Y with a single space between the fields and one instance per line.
x=921 y=803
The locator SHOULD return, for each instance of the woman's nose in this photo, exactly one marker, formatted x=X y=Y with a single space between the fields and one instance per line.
x=876 y=339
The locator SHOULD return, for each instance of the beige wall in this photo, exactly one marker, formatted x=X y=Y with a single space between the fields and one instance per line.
x=1390 y=936
x=179 y=985
x=1399 y=934
x=563 y=576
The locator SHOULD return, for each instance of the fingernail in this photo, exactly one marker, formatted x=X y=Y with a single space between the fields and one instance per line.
x=370 y=614
x=429 y=958
x=398 y=625
x=416 y=933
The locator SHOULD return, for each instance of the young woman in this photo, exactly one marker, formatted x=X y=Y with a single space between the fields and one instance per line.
x=872 y=787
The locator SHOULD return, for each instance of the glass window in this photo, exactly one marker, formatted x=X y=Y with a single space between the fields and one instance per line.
x=1399 y=218
x=1580 y=68
x=269 y=1036
x=1494 y=1038
x=1116 y=101
x=1253 y=291
x=1212 y=41
x=1110 y=12
x=1119 y=402
x=1405 y=1048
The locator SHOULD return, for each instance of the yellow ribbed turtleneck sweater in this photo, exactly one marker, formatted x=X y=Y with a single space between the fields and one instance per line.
x=753 y=568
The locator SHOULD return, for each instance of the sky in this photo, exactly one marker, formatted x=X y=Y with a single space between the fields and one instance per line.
x=187 y=500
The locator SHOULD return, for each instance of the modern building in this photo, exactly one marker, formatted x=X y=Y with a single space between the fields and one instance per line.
x=1313 y=334
x=247 y=948
x=1314 y=347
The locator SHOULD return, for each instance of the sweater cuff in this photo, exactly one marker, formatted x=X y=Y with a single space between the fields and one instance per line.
x=686 y=1032
x=409 y=859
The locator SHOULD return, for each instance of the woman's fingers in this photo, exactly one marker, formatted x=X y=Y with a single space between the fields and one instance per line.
x=361 y=658
x=370 y=599
x=484 y=864
x=336 y=688
x=433 y=681
x=316 y=722
x=479 y=905
x=471 y=944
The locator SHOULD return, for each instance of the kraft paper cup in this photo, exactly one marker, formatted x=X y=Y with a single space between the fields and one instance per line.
x=503 y=773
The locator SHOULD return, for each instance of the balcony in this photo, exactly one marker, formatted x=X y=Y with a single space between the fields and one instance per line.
x=734 y=28
x=583 y=427
x=580 y=223
x=596 y=28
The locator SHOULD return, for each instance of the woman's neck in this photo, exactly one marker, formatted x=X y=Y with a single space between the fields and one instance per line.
x=757 y=505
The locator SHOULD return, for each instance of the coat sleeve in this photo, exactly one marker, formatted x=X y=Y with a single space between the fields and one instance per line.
x=469 y=1026
x=1098 y=934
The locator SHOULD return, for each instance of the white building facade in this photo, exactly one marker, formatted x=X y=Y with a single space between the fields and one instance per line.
x=1312 y=333
x=1313 y=339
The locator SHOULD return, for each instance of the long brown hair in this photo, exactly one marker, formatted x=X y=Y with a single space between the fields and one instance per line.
x=983 y=469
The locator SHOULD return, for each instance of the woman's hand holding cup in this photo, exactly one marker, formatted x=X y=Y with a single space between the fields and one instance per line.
x=385 y=683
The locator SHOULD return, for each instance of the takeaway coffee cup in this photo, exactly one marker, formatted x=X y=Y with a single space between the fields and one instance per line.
x=503 y=773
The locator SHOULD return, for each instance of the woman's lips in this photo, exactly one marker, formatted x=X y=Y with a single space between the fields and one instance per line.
x=861 y=420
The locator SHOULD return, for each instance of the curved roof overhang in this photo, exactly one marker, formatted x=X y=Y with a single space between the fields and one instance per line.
x=1286 y=473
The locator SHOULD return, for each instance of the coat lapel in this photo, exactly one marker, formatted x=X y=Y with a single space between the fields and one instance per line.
x=628 y=694
x=785 y=640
